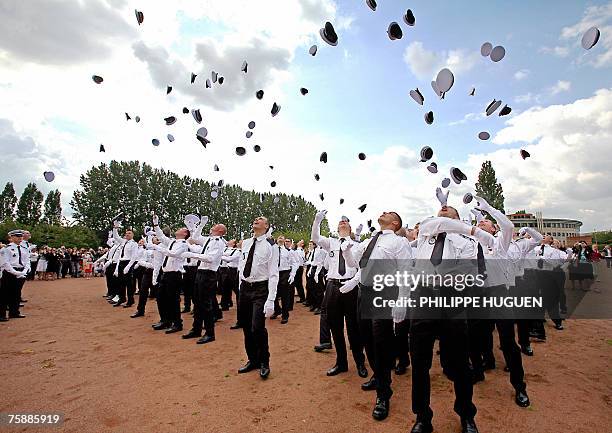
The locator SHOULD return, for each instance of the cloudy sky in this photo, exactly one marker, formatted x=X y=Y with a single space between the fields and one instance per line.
x=54 y=117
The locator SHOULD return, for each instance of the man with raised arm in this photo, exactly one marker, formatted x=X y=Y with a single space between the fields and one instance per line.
x=208 y=259
x=168 y=296
x=340 y=306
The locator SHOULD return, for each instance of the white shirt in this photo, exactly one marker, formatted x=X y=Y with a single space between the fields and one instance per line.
x=172 y=249
x=300 y=257
x=264 y=266
x=284 y=258
x=127 y=249
x=25 y=248
x=230 y=258
x=14 y=257
x=334 y=248
x=209 y=255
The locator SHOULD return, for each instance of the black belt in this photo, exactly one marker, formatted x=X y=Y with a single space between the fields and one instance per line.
x=207 y=271
x=18 y=269
x=254 y=283
x=336 y=280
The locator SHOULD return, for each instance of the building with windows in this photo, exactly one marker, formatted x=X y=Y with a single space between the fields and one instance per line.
x=559 y=228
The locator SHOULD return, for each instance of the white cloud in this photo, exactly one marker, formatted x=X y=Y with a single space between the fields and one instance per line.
x=527 y=98
x=60 y=32
x=521 y=74
x=561 y=86
x=424 y=64
x=559 y=51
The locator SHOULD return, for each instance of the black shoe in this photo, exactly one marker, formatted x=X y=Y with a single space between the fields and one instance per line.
x=284 y=321
x=477 y=377
x=312 y=308
x=236 y=326
x=16 y=316
x=128 y=305
x=224 y=308
x=186 y=310
x=23 y=300
x=422 y=427
x=507 y=369
x=174 y=328
x=468 y=426
x=3 y=319
x=192 y=334
x=400 y=369
x=559 y=327
x=273 y=316
x=522 y=399
x=264 y=371
x=336 y=369
x=323 y=346
x=527 y=350
x=161 y=325
x=249 y=366
x=21 y=305
x=137 y=314
x=381 y=409
x=362 y=371
x=118 y=303
x=317 y=311
x=370 y=385
x=206 y=339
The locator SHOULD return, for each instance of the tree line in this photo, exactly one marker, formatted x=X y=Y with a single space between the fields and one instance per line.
x=138 y=190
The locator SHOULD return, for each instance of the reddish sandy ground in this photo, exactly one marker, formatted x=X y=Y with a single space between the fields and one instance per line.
x=110 y=373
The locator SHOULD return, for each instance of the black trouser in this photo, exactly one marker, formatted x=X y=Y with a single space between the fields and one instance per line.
x=299 y=284
x=10 y=289
x=203 y=295
x=377 y=338
x=189 y=278
x=324 y=331
x=512 y=353
x=169 y=298
x=125 y=283
x=229 y=283
x=452 y=329
x=341 y=307
x=480 y=337
x=146 y=282
x=319 y=294
x=281 y=303
x=402 y=342
x=251 y=318
x=522 y=325
x=311 y=285
x=32 y=272
x=549 y=283
x=111 y=280
x=65 y=267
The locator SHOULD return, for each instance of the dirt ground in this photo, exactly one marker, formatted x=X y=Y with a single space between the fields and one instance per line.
x=109 y=373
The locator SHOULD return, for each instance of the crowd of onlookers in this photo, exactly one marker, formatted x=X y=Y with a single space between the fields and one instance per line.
x=53 y=263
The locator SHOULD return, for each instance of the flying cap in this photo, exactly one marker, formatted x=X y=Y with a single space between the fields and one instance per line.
x=467 y=198
x=259 y=94
x=170 y=138
x=249 y=134
x=429 y=117
x=240 y=151
x=486 y=49
x=417 y=96
x=49 y=176
x=244 y=67
x=170 y=120
x=139 y=16
x=168 y=89
x=525 y=154
x=409 y=18
x=102 y=149
x=505 y=111
x=590 y=38
x=484 y=135
x=457 y=175
x=275 y=109
x=323 y=157
x=304 y=91
x=328 y=34
x=193 y=77
x=196 y=115
x=201 y=136
x=498 y=53
x=361 y=156
x=445 y=80
x=445 y=182
x=251 y=125
x=432 y=168
x=492 y=107
x=362 y=207
x=371 y=4
x=97 y=79
x=394 y=31
x=313 y=50
x=155 y=142
x=257 y=148
x=426 y=153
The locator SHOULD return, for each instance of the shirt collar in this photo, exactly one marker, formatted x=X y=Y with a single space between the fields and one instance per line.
x=387 y=232
x=261 y=238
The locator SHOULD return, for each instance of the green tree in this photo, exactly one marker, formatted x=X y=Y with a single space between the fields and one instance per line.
x=53 y=208
x=488 y=188
x=137 y=190
x=29 y=208
x=8 y=200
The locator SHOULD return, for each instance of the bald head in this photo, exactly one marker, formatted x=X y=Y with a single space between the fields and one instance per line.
x=218 y=230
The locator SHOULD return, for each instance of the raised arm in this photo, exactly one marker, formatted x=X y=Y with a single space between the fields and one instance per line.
x=437 y=225
x=506 y=226
x=158 y=232
x=315 y=234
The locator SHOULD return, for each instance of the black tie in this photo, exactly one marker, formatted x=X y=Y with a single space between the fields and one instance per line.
x=123 y=250
x=279 y=255
x=232 y=253
x=368 y=252
x=203 y=250
x=341 y=264
x=436 y=254
x=482 y=267
x=166 y=259
x=19 y=250
x=249 y=263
